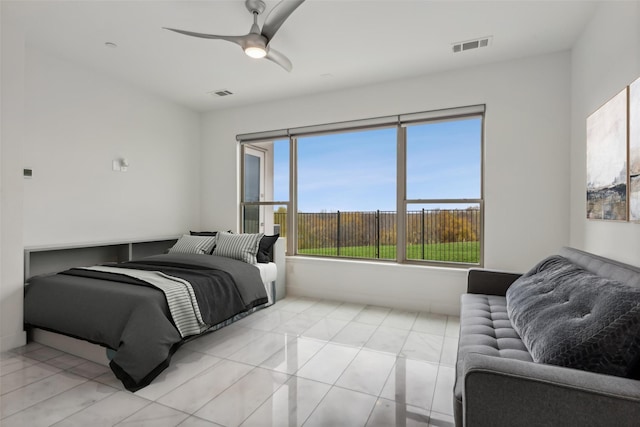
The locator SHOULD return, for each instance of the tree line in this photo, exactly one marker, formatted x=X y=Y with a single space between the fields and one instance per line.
x=346 y=229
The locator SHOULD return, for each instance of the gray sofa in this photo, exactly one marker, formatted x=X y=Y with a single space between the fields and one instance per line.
x=497 y=381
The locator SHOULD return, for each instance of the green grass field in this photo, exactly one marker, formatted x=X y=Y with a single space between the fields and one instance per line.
x=467 y=252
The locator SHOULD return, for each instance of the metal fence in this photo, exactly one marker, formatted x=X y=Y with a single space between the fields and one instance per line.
x=450 y=235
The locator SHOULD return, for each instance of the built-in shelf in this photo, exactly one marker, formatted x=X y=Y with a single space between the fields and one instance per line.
x=49 y=259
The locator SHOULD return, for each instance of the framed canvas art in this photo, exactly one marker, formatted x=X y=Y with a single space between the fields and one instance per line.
x=634 y=151
x=607 y=160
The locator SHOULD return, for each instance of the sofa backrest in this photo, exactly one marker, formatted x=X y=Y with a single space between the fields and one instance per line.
x=604 y=267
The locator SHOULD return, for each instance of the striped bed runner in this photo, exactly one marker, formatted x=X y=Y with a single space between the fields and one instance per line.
x=178 y=292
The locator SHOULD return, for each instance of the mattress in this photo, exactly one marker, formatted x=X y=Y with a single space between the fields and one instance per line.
x=268 y=274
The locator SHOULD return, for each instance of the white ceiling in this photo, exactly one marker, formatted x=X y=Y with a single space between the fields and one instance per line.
x=333 y=44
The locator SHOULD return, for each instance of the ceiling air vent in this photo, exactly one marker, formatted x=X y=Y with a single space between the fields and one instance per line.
x=221 y=92
x=471 y=44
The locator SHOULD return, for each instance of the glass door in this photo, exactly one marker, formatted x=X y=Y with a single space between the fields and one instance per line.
x=253 y=190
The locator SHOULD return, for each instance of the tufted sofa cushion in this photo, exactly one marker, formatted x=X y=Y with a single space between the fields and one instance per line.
x=485 y=328
x=571 y=317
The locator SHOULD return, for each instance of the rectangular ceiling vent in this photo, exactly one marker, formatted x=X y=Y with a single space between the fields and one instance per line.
x=221 y=92
x=471 y=44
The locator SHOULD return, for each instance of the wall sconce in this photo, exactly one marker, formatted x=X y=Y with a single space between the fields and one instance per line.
x=120 y=165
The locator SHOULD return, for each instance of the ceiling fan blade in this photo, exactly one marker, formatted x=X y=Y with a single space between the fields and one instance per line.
x=277 y=16
x=239 y=40
x=279 y=58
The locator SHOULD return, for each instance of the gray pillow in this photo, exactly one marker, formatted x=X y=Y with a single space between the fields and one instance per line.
x=570 y=317
x=193 y=245
x=243 y=247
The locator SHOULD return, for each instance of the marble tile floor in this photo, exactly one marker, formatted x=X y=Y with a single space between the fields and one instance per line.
x=300 y=362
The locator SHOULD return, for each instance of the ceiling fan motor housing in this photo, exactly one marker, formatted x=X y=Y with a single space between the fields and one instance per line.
x=256 y=42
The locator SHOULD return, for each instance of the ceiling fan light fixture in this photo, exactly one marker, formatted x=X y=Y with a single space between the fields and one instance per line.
x=255 y=52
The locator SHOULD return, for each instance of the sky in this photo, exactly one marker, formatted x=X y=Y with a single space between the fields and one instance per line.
x=356 y=171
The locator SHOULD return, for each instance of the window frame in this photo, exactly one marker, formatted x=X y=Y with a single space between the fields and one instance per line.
x=401 y=122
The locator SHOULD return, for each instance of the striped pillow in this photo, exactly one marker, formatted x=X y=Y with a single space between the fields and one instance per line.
x=193 y=245
x=243 y=247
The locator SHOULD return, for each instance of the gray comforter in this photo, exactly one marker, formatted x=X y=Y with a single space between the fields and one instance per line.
x=131 y=316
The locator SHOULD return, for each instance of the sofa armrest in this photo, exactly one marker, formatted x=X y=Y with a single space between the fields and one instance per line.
x=489 y=282
x=506 y=392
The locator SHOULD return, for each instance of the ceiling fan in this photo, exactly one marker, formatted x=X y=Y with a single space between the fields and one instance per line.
x=256 y=43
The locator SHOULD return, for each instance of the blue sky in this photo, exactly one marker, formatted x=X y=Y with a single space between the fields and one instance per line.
x=356 y=171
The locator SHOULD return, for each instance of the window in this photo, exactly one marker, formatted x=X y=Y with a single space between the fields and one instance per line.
x=403 y=188
x=443 y=184
x=346 y=181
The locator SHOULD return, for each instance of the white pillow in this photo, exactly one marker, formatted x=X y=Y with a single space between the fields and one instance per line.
x=194 y=245
x=243 y=247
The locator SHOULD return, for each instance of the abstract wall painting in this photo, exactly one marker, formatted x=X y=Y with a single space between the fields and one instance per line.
x=634 y=151
x=607 y=160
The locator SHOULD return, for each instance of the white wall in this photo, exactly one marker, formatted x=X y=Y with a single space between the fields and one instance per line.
x=78 y=123
x=68 y=124
x=605 y=59
x=526 y=173
x=11 y=138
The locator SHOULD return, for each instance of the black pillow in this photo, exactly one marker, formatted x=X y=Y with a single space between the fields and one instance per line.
x=203 y=233
x=264 y=248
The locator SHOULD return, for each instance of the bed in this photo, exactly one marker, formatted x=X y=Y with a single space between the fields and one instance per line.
x=143 y=310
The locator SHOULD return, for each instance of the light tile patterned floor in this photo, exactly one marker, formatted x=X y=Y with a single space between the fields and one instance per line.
x=300 y=362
